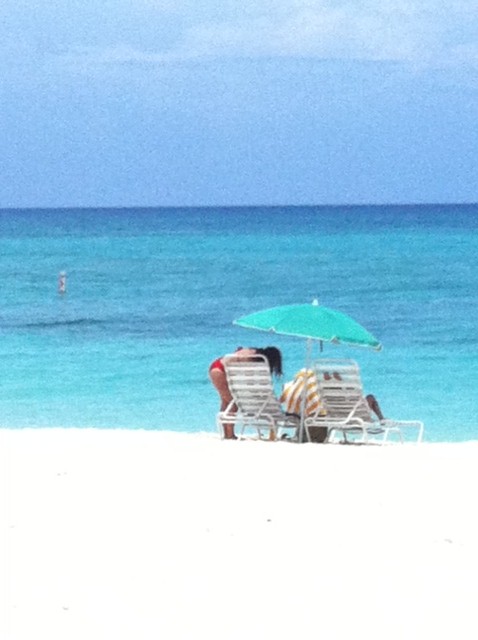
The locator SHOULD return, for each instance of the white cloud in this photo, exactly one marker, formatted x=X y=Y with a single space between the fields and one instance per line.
x=407 y=31
x=428 y=32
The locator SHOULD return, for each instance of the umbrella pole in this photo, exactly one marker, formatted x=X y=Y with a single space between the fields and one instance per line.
x=308 y=359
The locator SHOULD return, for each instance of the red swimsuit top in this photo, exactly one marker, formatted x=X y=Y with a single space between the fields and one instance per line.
x=217 y=364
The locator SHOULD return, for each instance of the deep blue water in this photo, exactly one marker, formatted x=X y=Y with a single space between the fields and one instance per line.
x=152 y=293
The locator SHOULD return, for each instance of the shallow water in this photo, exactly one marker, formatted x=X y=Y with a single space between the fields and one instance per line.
x=152 y=293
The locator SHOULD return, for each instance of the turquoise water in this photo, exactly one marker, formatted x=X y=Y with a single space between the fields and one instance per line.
x=152 y=293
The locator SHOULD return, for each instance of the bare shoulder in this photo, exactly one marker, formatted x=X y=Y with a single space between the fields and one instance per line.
x=240 y=354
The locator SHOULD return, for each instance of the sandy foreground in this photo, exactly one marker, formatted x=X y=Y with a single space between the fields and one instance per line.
x=139 y=535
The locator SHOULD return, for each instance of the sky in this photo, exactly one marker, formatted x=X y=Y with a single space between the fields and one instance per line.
x=266 y=102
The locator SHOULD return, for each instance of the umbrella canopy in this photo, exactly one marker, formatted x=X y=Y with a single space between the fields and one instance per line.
x=311 y=321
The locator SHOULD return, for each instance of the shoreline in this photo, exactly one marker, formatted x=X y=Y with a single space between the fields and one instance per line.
x=208 y=434
x=146 y=534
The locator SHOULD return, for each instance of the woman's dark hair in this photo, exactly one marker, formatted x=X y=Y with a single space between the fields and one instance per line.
x=274 y=358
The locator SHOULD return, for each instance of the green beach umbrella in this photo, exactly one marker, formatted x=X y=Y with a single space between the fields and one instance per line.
x=312 y=321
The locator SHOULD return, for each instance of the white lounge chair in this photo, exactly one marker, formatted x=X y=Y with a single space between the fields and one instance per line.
x=254 y=403
x=348 y=414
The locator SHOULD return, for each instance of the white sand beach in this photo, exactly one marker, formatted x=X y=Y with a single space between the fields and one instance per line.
x=146 y=535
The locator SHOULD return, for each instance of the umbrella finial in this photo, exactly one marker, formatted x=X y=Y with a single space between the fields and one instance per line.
x=315 y=302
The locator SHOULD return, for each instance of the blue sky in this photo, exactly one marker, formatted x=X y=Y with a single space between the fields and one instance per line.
x=195 y=102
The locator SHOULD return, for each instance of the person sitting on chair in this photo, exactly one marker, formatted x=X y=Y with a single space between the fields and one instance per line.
x=217 y=375
x=370 y=398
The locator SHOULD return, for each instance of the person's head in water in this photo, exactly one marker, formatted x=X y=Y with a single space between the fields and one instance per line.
x=274 y=358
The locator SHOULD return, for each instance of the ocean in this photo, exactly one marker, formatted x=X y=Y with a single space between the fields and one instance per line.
x=151 y=295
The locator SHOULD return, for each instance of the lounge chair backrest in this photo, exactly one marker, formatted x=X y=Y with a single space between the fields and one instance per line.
x=251 y=387
x=341 y=389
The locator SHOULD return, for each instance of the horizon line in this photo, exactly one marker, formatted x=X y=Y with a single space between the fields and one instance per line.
x=237 y=206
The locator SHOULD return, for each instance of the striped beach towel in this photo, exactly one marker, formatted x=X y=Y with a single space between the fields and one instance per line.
x=292 y=394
